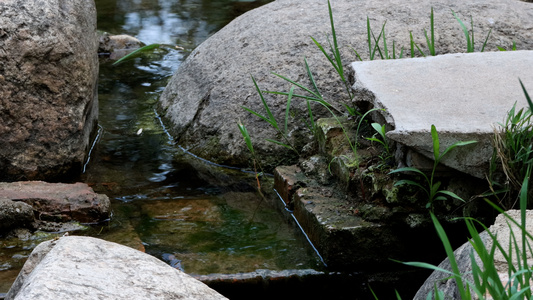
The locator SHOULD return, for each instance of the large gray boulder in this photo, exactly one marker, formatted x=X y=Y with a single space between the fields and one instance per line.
x=48 y=91
x=203 y=100
x=88 y=268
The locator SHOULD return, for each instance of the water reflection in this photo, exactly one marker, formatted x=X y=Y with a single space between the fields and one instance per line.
x=193 y=215
x=184 y=22
x=164 y=203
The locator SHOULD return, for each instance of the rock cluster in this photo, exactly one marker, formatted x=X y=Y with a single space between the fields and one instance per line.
x=203 y=100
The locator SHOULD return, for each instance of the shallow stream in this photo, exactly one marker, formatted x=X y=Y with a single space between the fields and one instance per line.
x=197 y=217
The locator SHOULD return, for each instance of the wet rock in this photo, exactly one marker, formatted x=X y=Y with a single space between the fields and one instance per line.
x=88 y=268
x=288 y=179
x=343 y=239
x=58 y=227
x=59 y=201
x=203 y=100
x=48 y=90
x=14 y=214
x=117 y=46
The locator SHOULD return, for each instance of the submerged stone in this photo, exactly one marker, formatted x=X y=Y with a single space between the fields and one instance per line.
x=59 y=202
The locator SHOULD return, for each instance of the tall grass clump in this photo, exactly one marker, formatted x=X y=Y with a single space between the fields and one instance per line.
x=270 y=119
x=486 y=280
x=513 y=152
x=311 y=94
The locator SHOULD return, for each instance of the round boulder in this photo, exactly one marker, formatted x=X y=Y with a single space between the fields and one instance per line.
x=203 y=101
x=48 y=87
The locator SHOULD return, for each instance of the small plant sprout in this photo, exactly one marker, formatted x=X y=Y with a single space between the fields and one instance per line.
x=432 y=188
x=513 y=47
x=380 y=129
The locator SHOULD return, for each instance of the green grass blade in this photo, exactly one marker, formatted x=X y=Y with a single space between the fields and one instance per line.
x=412 y=42
x=300 y=96
x=336 y=52
x=472 y=26
x=246 y=136
x=431 y=41
x=451 y=194
x=373 y=294
x=137 y=52
x=356 y=54
x=436 y=143
x=318 y=96
x=376 y=46
x=369 y=38
x=432 y=49
x=526 y=94
x=385 y=50
x=449 y=252
x=379 y=129
x=407 y=169
x=373 y=139
x=326 y=55
x=258 y=114
x=456 y=145
x=469 y=45
x=486 y=40
x=398 y=295
x=428 y=266
x=311 y=78
x=287 y=110
x=311 y=117
x=413 y=183
x=269 y=113
x=280 y=143
x=420 y=50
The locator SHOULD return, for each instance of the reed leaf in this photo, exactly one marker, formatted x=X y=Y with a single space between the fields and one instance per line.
x=137 y=52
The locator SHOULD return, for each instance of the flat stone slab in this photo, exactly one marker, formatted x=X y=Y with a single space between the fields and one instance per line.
x=464 y=95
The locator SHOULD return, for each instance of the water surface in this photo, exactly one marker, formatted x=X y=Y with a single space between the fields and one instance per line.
x=197 y=217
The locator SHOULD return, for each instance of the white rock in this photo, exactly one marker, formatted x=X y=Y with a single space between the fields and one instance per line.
x=74 y=267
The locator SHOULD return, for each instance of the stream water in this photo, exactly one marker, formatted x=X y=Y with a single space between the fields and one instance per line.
x=166 y=202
